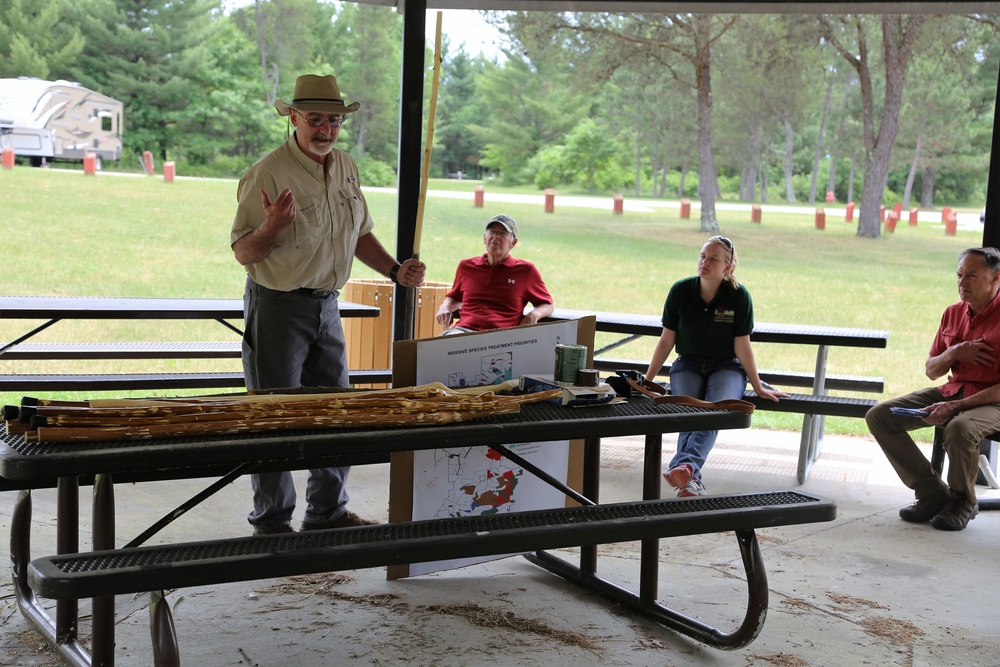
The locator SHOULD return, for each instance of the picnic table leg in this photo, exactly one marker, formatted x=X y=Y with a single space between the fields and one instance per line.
x=103 y=608
x=161 y=629
x=31 y=608
x=67 y=542
x=591 y=489
x=649 y=559
x=813 y=426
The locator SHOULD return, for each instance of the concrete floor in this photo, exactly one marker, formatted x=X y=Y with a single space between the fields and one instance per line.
x=866 y=589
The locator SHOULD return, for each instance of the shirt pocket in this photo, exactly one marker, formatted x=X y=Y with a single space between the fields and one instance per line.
x=353 y=203
x=309 y=221
x=950 y=335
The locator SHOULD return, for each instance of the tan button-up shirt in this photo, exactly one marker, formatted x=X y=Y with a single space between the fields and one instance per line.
x=317 y=250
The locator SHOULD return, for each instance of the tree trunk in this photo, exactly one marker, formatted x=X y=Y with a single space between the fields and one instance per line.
x=750 y=193
x=913 y=171
x=789 y=149
x=831 y=183
x=898 y=35
x=638 y=150
x=706 y=158
x=927 y=188
x=765 y=168
x=850 y=182
x=819 y=142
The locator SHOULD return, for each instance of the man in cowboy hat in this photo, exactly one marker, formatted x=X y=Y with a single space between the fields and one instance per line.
x=492 y=290
x=301 y=220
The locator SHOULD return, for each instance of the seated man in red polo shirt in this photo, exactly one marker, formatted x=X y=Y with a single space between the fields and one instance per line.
x=491 y=291
x=967 y=406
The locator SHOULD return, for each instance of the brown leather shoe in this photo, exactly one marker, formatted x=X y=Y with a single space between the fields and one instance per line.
x=924 y=509
x=957 y=513
x=348 y=520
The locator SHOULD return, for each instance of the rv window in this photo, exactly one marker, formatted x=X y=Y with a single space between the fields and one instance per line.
x=106 y=124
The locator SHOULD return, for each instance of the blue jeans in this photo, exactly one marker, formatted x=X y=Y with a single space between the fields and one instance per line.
x=293 y=339
x=709 y=381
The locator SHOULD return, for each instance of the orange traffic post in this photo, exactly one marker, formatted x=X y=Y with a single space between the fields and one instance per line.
x=686 y=209
x=168 y=172
x=478 y=193
x=850 y=212
x=619 y=205
x=147 y=162
x=550 y=200
x=951 y=223
x=89 y=163
x=820 y=219
x=890 y=221
x=755 y=213
x=8 y=157
x=913 y=217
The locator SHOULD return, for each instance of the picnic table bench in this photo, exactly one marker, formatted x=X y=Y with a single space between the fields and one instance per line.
x=71 y=575
x=814 y=407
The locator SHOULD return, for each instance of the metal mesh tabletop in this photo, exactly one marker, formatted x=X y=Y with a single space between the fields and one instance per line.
x=536 y=422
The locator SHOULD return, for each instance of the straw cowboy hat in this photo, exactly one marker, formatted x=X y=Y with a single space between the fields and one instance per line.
x=316 y=93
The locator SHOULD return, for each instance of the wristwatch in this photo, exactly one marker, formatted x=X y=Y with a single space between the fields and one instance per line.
x=392 y=273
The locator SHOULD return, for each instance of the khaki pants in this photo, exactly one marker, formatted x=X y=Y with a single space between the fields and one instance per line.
x=962 y=435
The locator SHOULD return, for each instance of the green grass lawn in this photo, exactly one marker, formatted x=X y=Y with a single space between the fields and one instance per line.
x=71 y=234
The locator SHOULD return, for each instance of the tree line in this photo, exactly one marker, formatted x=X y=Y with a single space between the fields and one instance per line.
x=879 y=109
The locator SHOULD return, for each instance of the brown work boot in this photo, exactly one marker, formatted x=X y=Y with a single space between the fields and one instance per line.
x=348 y=520
x=957 y=513
x=924 y=509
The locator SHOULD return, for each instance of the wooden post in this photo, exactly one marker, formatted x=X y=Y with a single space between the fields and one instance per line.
x=477 y=196
x=686 y=209
x=820 y=219
x=881 y=213
x=147 y=162
x=913 y=217
x=8 y=157
x=951 y=223
x=168 y=172
x=890 y=221
x=755 y=213
x=550 y=200
x=619 y=205
x=850 y=212
x=945 y=212
x=89 y=163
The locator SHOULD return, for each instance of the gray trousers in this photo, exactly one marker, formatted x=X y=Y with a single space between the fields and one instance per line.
x=962 y=435
x=294 y=339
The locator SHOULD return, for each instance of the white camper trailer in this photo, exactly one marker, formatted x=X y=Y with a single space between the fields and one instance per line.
x=62 y=120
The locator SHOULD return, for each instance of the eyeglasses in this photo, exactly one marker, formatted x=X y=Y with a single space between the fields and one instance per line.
x=498 y=231
x=723 y=240
x=335 y=120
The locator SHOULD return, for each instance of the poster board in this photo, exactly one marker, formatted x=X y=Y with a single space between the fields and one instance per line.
x=425 y=484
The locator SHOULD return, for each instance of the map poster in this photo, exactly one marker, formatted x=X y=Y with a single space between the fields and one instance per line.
x=475 y=480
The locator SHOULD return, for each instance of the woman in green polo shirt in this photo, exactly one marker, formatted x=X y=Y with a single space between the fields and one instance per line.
x=709 y=319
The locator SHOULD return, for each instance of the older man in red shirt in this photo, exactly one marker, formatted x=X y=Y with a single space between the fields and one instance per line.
x=491 y=291
x=967 y=406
